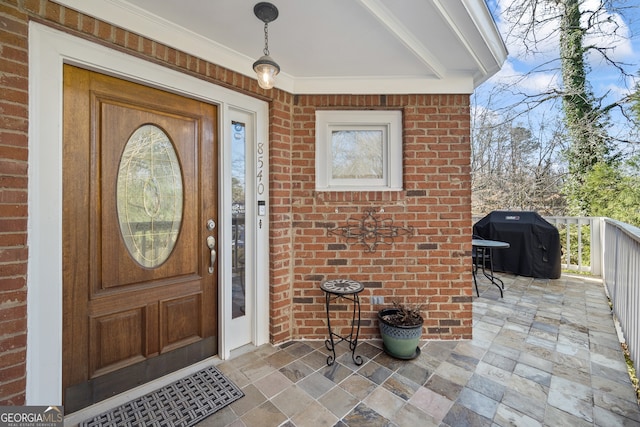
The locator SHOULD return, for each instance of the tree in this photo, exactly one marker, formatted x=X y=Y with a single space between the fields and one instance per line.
x=579 y=32
x=589 y=144
x=614 y=191
x=584 y=118
x=635 y=104
x=513 y=167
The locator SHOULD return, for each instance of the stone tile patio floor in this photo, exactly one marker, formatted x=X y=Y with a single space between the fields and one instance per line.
x=545 y=355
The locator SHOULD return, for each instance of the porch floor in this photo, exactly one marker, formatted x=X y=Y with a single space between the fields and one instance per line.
x=547 y=354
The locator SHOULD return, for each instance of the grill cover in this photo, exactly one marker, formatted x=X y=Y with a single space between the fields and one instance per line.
x=535 y=243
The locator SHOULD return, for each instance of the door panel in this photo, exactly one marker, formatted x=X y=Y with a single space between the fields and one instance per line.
x=180 y=321
x=140 y=306
x=118 y=340
x=118 y=123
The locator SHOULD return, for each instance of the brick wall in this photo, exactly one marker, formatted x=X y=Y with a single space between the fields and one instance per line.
x=436 y=201
x=13 y=203
x=431 y=267
x=281 y=249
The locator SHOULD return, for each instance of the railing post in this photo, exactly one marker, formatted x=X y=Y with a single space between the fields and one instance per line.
x=568 y=241
x=597 y=247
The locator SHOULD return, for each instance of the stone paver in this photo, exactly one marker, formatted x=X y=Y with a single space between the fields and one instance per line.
x=546 y=354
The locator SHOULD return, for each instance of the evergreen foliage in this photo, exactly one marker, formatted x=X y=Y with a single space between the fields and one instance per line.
x=613 y=190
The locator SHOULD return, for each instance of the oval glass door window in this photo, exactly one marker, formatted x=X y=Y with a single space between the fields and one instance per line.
x=149 y=196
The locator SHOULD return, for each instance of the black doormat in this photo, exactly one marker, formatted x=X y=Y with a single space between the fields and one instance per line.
x=182 y=403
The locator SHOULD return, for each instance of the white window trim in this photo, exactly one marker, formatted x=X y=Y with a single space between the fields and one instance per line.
x=390 y=121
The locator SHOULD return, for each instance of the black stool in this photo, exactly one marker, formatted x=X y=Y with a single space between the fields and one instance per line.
x=349 y=290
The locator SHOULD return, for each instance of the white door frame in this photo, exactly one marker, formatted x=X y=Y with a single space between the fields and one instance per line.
x=49 y=49
x=243 y=326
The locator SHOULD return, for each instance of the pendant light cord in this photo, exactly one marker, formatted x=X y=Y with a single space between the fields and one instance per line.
x=266 y=39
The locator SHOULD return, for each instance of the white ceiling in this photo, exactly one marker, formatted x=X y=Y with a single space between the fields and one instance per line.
x=328 y=46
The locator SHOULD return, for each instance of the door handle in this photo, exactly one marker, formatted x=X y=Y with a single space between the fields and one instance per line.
x=211 y=244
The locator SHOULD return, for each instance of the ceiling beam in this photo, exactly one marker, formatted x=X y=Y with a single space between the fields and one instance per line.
x=457 y=31
x=395 y=27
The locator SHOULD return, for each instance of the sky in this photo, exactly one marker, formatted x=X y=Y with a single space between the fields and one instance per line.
x=605 y=79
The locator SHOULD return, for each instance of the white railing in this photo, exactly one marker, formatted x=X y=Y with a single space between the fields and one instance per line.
x=610 y=249
x=621 y=257
x=581 y=239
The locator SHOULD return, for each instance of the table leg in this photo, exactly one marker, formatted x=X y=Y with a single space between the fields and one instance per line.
x=474 y=271
x=475 y=280
x=329 y=342
x=353 y=342
x=491 y=277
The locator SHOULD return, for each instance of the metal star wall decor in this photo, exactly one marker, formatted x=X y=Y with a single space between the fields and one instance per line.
x=370 y=231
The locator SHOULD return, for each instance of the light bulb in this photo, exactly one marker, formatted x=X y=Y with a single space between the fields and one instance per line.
x=267 y=70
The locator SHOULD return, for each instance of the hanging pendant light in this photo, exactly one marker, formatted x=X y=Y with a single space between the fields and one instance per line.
x=265 y=67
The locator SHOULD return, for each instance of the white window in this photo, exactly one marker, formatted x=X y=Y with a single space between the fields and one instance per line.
x=358 y=150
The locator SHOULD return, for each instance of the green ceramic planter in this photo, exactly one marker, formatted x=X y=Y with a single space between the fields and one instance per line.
x=401 y=342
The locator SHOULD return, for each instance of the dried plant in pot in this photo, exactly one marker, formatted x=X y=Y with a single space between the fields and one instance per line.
x=401 y=330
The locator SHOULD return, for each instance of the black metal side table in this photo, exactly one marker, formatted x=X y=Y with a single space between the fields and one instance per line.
x=349 y=290
x=482 y=249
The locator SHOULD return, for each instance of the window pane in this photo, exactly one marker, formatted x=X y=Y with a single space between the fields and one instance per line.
x=238 y=190
x=149 y=196
x=357 y=154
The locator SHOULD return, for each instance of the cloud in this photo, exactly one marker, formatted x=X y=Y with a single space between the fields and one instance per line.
x=529 y=38
x=524 y=80
x=480 y=113
x=610 y=32
x=621 y=90
x=530 y=29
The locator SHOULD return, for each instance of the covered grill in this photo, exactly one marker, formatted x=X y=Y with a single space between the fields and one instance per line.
x=534 y=243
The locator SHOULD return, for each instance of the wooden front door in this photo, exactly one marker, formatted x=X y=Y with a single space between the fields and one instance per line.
x=140 y=235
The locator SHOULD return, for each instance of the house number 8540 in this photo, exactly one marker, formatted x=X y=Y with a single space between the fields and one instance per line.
x=260 y=174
